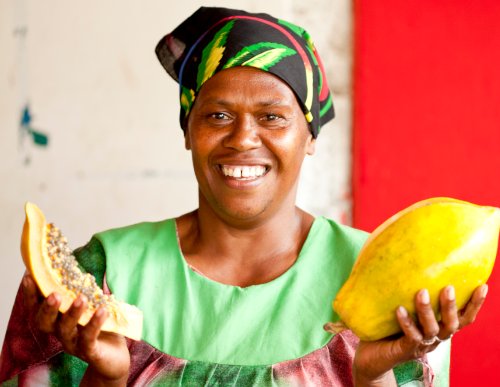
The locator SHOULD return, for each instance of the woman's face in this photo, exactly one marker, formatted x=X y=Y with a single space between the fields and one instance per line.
x=248 y=138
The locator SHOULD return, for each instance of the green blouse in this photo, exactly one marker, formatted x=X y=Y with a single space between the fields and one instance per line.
x=192 y=317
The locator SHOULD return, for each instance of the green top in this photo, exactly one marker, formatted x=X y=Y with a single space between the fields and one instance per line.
x=189 y=316
x=211 y=334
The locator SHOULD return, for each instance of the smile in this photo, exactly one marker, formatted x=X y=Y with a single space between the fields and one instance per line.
x=243 y=171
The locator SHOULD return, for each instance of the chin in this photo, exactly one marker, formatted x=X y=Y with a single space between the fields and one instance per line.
x=242 y=214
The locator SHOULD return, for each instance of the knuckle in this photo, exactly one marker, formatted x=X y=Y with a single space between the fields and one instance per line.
x=407 y=323
x=415 y=340
x=434 y=331
x=466 y=320
x=476 y=304
x=454 y=326
x=43 y=324
x=45 y=328
x=471 y=319
x=84 y=336
x=449 y=306
x=62 y=332
x=72 y=312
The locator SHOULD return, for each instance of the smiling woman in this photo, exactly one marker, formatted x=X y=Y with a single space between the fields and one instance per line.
x=237 y=291
x=247 y=120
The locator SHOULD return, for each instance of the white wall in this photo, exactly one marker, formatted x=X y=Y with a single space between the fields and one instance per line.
x=115 y=154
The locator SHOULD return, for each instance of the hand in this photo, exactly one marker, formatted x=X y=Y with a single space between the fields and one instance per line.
x=106 y=353
x=374 y=361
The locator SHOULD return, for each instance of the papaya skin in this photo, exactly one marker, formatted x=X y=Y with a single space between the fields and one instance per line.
x=123 y=318
x=431 y=244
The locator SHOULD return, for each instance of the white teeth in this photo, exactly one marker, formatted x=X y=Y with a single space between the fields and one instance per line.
x=245 y=171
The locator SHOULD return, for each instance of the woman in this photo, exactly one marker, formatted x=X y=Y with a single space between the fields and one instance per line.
x=236 y=292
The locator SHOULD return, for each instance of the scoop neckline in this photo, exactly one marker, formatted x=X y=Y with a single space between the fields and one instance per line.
x=198 y=275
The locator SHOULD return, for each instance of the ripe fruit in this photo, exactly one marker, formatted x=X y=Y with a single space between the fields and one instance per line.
x=49 y=260
x=431 y=244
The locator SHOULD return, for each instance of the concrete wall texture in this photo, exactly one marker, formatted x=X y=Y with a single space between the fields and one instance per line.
x=88 y=77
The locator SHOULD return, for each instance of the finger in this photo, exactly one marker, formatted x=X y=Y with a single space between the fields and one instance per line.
x=47 y=314
x=468 y=315
x=449 y=316
x=31 y=294
x=87 y=338
x=412 y=334
x=411 y=345
x=69 y=321
x=425 y=315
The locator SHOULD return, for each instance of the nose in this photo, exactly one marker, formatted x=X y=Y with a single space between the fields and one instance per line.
x=244 y=135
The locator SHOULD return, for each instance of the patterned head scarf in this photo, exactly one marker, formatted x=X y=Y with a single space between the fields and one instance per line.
x=214 y=39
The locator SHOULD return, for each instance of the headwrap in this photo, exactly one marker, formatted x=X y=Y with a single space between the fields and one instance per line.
x=214 y=39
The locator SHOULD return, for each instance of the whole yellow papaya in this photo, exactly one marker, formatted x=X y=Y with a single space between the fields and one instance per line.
x=431 y=244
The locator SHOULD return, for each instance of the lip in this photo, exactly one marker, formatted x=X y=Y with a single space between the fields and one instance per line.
x=243 y=182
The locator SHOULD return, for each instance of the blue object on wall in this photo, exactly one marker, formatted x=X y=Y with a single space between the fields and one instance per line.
x=38 y=137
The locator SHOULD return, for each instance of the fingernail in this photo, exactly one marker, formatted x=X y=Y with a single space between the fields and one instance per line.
x=100 y=312
x=402 y=311
x=79 y=301
x=484 y=290
x=424 y=296
x=51 y=300
x=450 y=293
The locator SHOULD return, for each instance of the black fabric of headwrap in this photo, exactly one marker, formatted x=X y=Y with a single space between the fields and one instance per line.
x=213 y=39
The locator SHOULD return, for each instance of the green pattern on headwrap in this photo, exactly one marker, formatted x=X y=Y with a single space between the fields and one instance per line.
x=328 y=105
x=187 y=99
x=294 y=27
x=310 y=46
x=320 y=75
x=215 y=38
x=263 y=55
x=212 y=54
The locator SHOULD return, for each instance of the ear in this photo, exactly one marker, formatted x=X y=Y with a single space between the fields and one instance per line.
x=311 y=145
x=187 y=141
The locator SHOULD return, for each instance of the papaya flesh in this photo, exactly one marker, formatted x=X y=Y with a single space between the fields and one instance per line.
x=52 y=265
x=431 y=244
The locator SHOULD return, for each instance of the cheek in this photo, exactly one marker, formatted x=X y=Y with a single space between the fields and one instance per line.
x=294 y=147
x=202 y=145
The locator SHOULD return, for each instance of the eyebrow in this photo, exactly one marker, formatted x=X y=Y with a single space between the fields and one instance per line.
x=263 y=103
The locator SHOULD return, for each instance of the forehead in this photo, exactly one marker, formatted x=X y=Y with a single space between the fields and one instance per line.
x=246 y=82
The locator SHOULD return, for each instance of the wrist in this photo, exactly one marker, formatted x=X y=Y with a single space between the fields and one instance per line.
x=95 y=379
x=362 y=380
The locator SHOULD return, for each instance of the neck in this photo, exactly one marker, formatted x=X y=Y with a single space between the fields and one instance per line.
x=243 y=253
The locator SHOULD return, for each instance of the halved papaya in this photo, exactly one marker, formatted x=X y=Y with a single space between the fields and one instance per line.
x=51 y=263
x=431 y=244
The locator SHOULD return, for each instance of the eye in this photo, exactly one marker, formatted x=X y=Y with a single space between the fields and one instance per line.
x=271 y=117
x=219 y=116
x=274 y=120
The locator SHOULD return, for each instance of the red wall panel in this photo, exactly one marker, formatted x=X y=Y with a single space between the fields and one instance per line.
x=427 y=123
